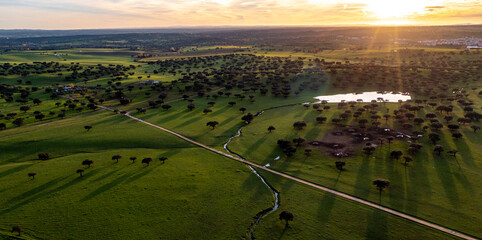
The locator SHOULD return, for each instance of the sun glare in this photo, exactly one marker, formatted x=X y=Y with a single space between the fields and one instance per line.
x=384 y=9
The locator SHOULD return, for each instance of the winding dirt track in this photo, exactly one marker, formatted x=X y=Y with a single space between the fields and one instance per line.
x=340 y=194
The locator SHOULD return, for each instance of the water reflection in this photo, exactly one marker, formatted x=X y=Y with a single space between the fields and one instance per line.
x=366 y=97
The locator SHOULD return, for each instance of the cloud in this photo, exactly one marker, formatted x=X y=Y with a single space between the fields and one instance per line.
x=161 y=13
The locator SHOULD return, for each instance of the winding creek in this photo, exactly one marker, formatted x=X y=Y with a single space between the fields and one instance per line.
x=264 y=212
x=362 y=97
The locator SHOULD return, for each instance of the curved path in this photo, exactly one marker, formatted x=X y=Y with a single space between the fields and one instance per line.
x=337 y=193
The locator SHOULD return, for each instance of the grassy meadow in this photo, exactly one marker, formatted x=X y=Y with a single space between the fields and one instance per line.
x=194 y=193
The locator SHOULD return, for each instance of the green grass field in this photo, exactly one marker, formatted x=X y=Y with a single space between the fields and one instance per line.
x=195 y=193
x=323 y=216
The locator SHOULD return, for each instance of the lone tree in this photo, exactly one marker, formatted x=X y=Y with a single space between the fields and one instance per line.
x=163 y=159
x=320 y=120
x=453 y=152
x=396 y=154
x=191 y=106
x=434 y=137
x=299 y=125
x=24 y=108
x=32 y=175
x=166 y=106
x=407 y=160
x=212 y=124
x=146 y=161
x=271 y=128
x=80 y=171
x=381 y=183
x=439 y=149
x=17 y=229
x=87 y=163
x=43 y=156
x=18 y=122
x=368 y=149
x=3 y=126
x=133 y=159
x=475 y=128
x=116 y=157
x=457 y=135
x=339 y=165
x=298 y=141
x=37 y=101
x=87 y=128
x=289 y=151
x=248 y=118
x=286 y=216
x=243 y=109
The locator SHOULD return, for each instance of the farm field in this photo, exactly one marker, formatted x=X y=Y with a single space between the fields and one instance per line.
x=55 y=102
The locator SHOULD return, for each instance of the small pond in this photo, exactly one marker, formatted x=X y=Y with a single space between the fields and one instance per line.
x=366 y=97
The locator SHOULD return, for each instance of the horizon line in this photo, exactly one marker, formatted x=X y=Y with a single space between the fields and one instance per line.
x=242 y=26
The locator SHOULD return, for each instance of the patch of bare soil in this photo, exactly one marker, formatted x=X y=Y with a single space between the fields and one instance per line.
x=341 y=142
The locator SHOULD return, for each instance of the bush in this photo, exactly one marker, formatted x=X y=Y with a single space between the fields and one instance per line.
x=43 y=156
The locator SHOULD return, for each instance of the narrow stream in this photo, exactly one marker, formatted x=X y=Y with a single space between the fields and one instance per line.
x=275 y=193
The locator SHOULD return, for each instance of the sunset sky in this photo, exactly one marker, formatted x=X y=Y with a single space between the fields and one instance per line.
x=75 y=14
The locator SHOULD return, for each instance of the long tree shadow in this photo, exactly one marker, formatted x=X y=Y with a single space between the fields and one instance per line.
x=465 y=152
x=14 y=170
x=283 y=232
x=326 y=206
x=109 y=120
x=134 y=177
x=107 y=186
x=377 y=225
x=36 y=190
x=254 y=185
x=363 y=178
x=269 y=157
x=418 y=184
x=230 y=119
x=220 y=111
x=300 y=113
x=104 y=176
x=471 y=136
x=165 y=117
x=73 y=182
x=172 y=152
x=337 y=178
x=313 y=133
x=397 y=193
x=460 y=176
x=445 y=175
x=188 y=122
x=256 y=145
x=30 y=196
x=229 y=132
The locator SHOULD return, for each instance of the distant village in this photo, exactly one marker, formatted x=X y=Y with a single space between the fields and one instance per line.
x=467 y=42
